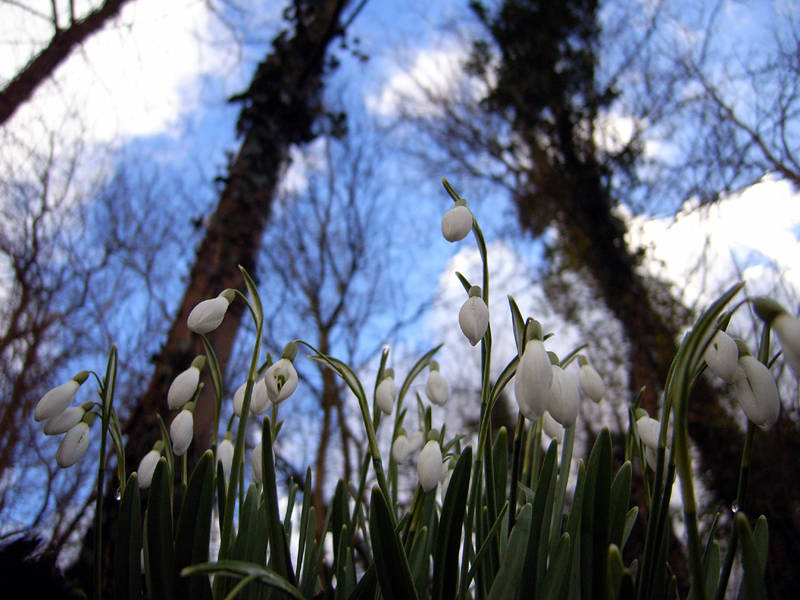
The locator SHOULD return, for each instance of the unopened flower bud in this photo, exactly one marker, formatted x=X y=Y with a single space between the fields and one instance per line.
x=436 y=388
x=63 y=422
x=256 y=462
x=533 y=379
x=181 y=431
x=429 y=465
x=564 y=400
x=757 y=392
x=147 y=467
x=73 y=446
x=59 y=398
x=281 y=380
x=183 y=387
x=648 y=429
x=590 y=381
x=416 y=440
x=474 y=316
x=722 y=356
x=386 y=393
x=456 y=223
x=259 y=400
x=400 y=449
x=785 y=326
x=225 y=455
x=208 y=314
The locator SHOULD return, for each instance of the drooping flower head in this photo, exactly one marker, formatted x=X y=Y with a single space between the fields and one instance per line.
x=756 y=390
x=386 y=392
x=54 y=402
x=281 y=377
x=564 y=401
x=207 y=315
x=474 y=316
x=259 y=399
x=722 y=356
x=436 y=388
x=590 y=381
x=534 y=375
x=785 y=326
x=181 y=430
x=400 y=449
x=256 y=462
x=225 y=454
x=75 y=443
x=65 y=421
x=147 y=465
x=429 y=465
x=457 y=222
x=183 y=387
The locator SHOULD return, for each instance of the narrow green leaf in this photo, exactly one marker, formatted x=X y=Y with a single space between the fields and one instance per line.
x=448 y=536
x=367 y=586
x=221 y=491
x=556 y=575
x=416 y=369
x=500 y=457
x=630 y=521
x=308 y=576
x=418 y=561
x=761 y=539
x=753 y=587
x=619 y=499
x=194 y=528
x=127 y=582
x=304 y=515
x=518 y=324
x=160 y=560
x=280 y=559
x=594 y=521
x=536 y=551
x=391 y=562
x=508 y=581
x=241 y=569
x=250 y=545
x=712 y=569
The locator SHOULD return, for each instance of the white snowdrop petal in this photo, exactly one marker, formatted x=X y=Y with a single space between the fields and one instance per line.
x=474 y=319
x=183 y=388
x=55 y=401
x=207 y=315
x=564 y=400
x=722 y=356
x=533 y=379
x=648 y=429
x=456 y=223
x=63 y=422
x=385 y=395
x=591 y=383
x=280 y=380
x=437 y=389
x=225 y=455
x=757 y=392
x=429 y=465
x=147 y=467
x=181 y=432
x=73 y=446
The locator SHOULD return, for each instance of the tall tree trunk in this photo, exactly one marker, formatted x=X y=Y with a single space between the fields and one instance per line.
x=24 y=84
x=279 y=109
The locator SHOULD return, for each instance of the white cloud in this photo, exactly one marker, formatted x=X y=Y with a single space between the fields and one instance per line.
x=750 y=236
x=132 y=78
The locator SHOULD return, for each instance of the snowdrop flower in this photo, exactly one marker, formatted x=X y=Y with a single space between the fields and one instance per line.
x=429 y=465
x=386 y=393
x=722 y=356
x=533 y=379
x=437 y=389
x=147 y=467
x=564 y=400
x=256 y=461
x=185 y=384
x=590 y=381
x=281 y=380
x=474 y=316
x=259 y=400
x=181 y=431
x=416 y=440
x=225 y=455
x=648 y=429
x=551 y=427
x=208 y=314
x=55 y=401
x=456 y=223
x=63 y=422
x=73 y=446
x=400 y=449
x=785 y=326
x=757 y=392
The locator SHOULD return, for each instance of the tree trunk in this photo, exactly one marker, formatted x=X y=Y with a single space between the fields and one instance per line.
x=279 y=109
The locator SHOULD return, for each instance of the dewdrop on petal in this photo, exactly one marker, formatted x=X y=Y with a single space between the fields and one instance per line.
x=386 y=392
x=207 y=315
x=181 y=431
x=55 y=401
x=63 y=422
x=185 y=384
x=73 y=446
x=225 y=455
x=564 y=401
x=722 y=356
x=785 y=326
x=757 y=392
x=590 y=381
x=429 y=465
x=456 y=223
x=256 y=461
x=147 y=467
x=436 y=388
x=474 y=316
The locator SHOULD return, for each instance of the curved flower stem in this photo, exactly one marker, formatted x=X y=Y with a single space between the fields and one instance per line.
x=107 y=393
